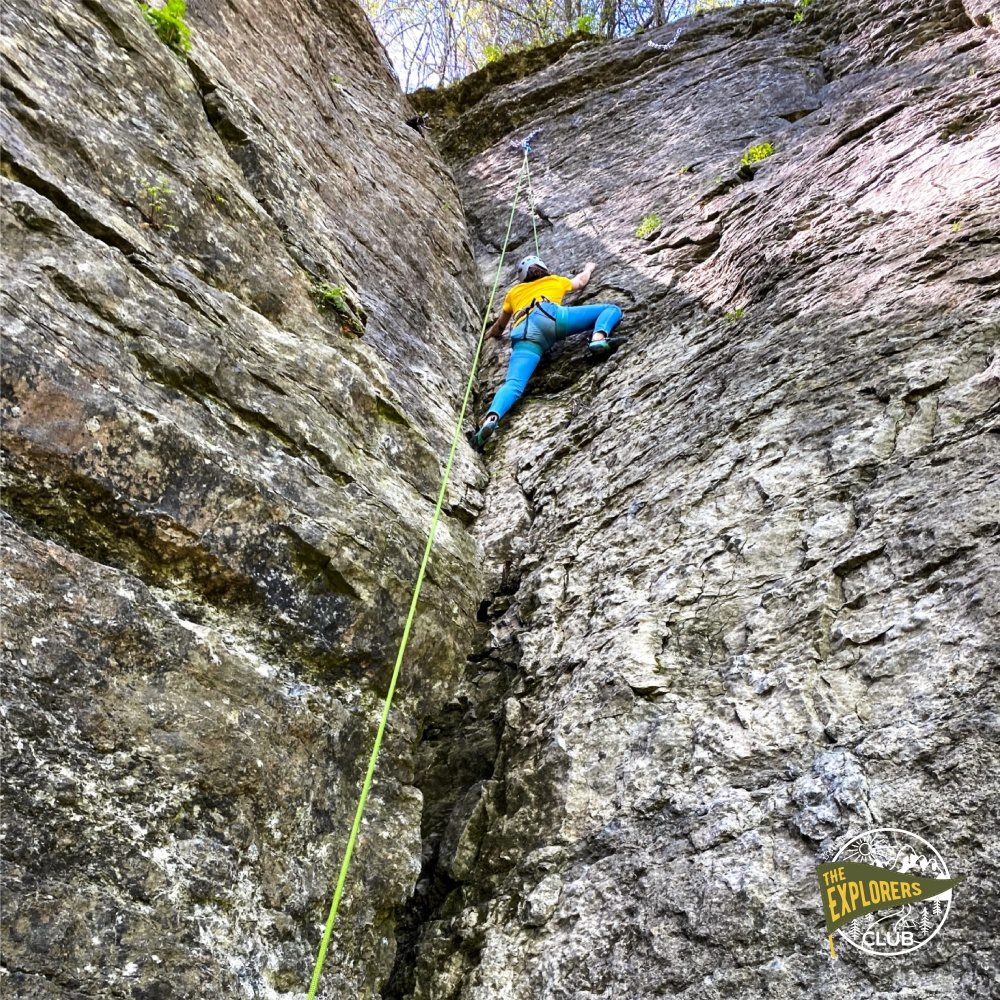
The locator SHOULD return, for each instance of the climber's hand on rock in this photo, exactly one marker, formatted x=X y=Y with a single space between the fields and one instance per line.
x=580 y=281
x=499 y=325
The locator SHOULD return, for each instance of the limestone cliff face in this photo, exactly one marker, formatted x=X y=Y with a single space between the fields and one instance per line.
x=217 y=489
x=724 y=597
x=746 y=571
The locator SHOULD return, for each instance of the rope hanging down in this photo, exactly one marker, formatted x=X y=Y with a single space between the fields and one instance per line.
x=411 y=614
x=531 y=197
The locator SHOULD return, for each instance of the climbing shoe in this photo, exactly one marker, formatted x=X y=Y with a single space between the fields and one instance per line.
x=480 y=437
x=599 y=346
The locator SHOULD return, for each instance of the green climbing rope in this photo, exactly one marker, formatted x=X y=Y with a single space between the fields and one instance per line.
x=411 y=614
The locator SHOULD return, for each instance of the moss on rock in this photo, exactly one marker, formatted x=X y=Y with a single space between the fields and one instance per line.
x=456 y=98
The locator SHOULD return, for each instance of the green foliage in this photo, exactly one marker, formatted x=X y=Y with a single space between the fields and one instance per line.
x=155 y=203
x=956 y=227
x=331 y=297
x=337 y=80
x=800 y=14
x=686 y=169
x=585 y=23
x=734 y=315
x=492 y=53
x=168 y=22
x=335 y=297
x=649 y=224
x=757 y=153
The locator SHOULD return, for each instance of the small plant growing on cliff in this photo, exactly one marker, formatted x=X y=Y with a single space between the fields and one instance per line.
x=155 y=203
x=584 y=24
x=734 y=315
x=757 y=153
x=649 y=224
x=168 y=22
x=800 y=14
x=956 y=227
x=329 y=296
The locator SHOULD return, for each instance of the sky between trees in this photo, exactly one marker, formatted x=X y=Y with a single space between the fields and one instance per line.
x=439 y=41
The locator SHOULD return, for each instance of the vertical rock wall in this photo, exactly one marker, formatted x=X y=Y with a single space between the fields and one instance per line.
x=238 y=309
x=744 y=572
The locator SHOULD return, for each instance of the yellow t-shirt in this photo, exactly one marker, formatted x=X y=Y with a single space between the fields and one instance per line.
x=552 y=287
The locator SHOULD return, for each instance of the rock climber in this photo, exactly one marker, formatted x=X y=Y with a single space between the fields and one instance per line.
x=540 y=320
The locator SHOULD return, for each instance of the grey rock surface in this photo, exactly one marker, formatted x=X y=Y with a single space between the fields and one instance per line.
x=745 y=572
x=217 y=487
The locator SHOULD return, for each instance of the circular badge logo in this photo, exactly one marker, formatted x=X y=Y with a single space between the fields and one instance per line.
x=907 y=927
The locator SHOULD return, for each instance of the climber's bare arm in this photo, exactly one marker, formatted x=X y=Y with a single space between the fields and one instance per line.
x=580 y=281
x=499 y=325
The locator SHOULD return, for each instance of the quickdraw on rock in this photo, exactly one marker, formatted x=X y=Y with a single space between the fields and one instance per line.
x=670 y=44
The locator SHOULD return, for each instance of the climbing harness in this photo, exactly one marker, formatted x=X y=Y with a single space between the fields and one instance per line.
x=411 y=614
x=522 y=315
x=525 y=311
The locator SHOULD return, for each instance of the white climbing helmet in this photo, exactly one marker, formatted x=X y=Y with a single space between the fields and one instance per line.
x=526 y=263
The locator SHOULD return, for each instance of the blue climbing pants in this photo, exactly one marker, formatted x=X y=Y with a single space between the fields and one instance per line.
x=524 y=358
x=535 y=335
